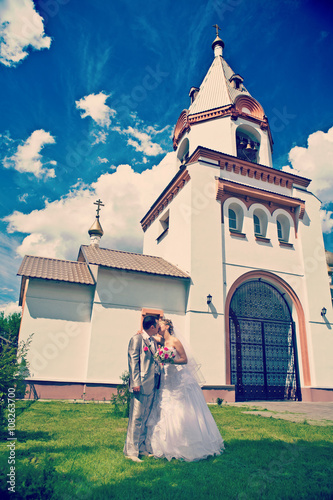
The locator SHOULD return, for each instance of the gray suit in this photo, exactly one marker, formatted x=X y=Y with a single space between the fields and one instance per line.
x=142 y=373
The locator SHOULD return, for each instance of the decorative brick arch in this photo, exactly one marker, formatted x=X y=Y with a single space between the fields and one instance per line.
x=273 y=279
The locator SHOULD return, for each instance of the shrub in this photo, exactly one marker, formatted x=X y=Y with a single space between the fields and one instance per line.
x=13 y=371
x=219 y=401
x=121 y=400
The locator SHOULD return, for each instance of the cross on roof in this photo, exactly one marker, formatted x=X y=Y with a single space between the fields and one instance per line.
x=216 y=26
x=100 y=204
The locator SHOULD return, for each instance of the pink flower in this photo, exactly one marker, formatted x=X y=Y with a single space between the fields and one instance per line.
x=145 y=348
x=160 y=352
x=166 y=356
x=166 y=349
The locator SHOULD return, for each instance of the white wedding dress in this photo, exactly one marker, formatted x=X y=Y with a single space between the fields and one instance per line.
x=180 y=424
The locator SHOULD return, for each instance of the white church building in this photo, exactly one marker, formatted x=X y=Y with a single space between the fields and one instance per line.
x=233 y=254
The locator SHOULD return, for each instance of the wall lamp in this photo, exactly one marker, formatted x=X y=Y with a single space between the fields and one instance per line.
x=209 y=299
x=323 y=311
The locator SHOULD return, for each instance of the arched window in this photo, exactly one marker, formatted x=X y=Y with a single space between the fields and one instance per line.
x=232 y=219
x=248 y=144
x=235 y=216
x=257 y=225
x=283 y=228
x=260 y=222
x=183 y=151
x=279 y=230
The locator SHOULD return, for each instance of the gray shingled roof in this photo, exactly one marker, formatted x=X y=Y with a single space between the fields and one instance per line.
x=55 y=269
x=129 y=261
x=216 y=90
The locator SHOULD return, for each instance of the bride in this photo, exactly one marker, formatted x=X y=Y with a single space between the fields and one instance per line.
x=180 y=424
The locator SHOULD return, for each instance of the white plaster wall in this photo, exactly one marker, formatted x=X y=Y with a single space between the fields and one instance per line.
x=137 y=290
x=58 y=316
x=207 y=341
x=175 y=247
x=257 y=183
x=213 y=134
x=119 y=299
x=111 y=332
x=317 y=294
x=206 y=249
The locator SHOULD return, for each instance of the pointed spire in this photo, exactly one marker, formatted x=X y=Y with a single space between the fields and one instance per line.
x=218 y=44
x=96 y=231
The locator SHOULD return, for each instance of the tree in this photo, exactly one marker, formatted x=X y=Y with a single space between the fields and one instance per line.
x=10 y=326
x=13 y=364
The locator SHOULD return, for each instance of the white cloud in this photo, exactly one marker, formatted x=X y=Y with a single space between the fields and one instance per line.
x=315 y=162
x=62 y=226
x=102 y=160
x=142 y=140
x=100 y=136
x=21 y=27
x=93 y=105
x=326 y=221
x=28 y=158
x=23 y=197
x=10 y=308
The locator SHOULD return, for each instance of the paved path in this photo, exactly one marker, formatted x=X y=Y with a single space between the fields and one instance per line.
x=295 y=411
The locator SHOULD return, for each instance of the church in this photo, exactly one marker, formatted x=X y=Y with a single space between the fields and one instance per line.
x=233 y=254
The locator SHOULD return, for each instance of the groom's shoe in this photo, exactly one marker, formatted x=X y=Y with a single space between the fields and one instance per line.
x=147 y=454
x=133 y=458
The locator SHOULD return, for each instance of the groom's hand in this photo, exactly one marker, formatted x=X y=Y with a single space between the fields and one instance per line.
x=136 y=389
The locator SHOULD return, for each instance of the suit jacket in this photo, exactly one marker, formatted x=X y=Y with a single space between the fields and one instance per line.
x=140 y=365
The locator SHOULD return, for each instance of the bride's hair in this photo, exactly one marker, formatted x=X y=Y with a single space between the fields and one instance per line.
x=169 y=323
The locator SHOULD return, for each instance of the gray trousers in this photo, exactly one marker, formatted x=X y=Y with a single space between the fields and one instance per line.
x=137 y=430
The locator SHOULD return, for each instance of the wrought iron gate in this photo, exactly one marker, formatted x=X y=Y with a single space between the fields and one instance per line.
x=262 y=344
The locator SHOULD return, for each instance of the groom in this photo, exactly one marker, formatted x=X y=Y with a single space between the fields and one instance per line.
x=143 y=381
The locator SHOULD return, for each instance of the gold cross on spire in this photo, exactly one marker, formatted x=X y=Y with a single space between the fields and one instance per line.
x=216 y=26
x=99 y=204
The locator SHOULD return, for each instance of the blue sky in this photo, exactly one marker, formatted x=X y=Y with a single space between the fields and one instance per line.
x=91 y=91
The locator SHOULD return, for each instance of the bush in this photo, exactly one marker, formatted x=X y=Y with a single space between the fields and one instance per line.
x=219 y=401
x=13 y=371
x=121 y=400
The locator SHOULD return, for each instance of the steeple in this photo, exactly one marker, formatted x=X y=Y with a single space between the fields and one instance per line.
x=223 y=116
x=96 y=231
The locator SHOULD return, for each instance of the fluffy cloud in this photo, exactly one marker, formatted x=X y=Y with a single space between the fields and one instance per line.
x=315 y=162
x=10 y=308
x=326 y=221
x=21 y=27
x=102 y=160
x=93 y=105
x=62 y=226
x=28 y=158
x=142 y=140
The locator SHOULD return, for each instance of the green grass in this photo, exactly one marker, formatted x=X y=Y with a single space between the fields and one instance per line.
x=68 y=451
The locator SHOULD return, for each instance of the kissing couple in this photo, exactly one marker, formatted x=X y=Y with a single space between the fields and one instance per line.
x=169 y=417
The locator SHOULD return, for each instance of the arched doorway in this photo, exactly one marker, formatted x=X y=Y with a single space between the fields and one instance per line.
x=263 y=351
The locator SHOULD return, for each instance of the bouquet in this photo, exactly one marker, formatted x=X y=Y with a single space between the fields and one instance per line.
x=165 y=355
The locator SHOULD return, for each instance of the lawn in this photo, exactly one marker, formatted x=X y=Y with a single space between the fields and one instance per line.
x=68 y=451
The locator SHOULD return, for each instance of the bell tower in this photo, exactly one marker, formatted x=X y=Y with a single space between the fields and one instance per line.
x=223 y=116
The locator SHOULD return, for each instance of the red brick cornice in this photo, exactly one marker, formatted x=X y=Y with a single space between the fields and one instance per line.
x=211 y=114
x=249 y=169
x=181 y=127
x=163 y=201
